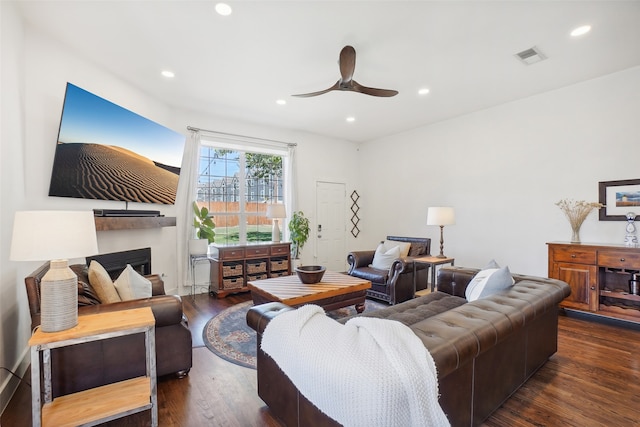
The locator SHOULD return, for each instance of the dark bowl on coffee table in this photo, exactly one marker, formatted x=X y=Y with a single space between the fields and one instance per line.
x=309 y=274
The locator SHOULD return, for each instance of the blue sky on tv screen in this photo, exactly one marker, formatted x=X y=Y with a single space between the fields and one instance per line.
x=88 y=118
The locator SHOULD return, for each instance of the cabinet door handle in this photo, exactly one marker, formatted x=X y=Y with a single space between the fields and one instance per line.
x=573 y=255
x=622 y=260
x=593 y=288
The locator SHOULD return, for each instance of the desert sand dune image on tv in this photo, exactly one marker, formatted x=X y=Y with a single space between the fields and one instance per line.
x=109 y=153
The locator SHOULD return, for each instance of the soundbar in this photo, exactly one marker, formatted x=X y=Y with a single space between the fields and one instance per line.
x=124 y=212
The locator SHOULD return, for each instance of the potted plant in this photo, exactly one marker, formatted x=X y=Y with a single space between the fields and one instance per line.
x=204 y=226
x=299 y=233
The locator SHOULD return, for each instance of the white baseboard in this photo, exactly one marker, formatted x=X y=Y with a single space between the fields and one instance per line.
x=10 y=384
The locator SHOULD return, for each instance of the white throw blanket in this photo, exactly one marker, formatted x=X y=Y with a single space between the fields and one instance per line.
x=367 y=372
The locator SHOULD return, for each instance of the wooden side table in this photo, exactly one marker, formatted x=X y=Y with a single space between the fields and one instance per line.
x=432 y=261
x=103 y=403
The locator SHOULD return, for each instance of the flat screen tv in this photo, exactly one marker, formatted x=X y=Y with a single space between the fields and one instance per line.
x=107 y=152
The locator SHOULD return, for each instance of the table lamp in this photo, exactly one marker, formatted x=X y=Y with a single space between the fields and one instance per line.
x=55 y=236
x=276 y=212
x=441 y=216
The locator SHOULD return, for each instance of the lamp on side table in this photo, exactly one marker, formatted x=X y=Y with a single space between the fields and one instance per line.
x=441 y=216
x=55 y=236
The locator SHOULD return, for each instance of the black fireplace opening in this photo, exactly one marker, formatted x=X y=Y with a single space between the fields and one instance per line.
x=115 y=262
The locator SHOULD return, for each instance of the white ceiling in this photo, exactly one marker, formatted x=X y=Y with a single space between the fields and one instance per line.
x=237 y=66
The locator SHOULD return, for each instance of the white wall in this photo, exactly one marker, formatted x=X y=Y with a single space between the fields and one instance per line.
x=15 y=319
x=35 y=70
x=503 y=169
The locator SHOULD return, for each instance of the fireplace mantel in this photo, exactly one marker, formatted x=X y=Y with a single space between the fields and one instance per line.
x=131 y=223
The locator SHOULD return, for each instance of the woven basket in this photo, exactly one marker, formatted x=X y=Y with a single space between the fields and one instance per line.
x=278 y=265
x=232 y=283
x=256 y=267
x=232 y=270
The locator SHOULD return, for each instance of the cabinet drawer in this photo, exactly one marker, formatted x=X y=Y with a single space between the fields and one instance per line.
x=236 y=283
x=279 y=249
x=228 y=253
x=279 y=265
x=256 y=267
x=256 y=252
x=279 y=273
x=575 y=255
x=230 y=270
x=619 y=259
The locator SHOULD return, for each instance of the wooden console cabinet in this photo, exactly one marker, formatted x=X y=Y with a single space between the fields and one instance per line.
x=233 y=266
x=598 y=276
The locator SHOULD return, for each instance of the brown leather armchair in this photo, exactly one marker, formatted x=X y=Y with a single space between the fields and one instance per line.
x=88 y=365
x=396 y=284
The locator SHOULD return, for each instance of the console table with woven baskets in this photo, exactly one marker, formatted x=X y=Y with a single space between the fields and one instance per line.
x=233 y=266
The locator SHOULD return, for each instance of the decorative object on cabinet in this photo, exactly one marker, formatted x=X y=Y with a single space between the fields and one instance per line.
x=233 y=266
x=618 y=197
x=299 y=232
x=576 y=212
x=599 y=276
x=276 y=212
x=51 y=235
x=355 y=208
x=441 y=216
x=630 y=239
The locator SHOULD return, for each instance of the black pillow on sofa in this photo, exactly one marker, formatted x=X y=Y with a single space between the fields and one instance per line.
x=86 y=294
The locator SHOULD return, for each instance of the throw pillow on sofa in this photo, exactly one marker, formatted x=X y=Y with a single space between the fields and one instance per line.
x=383 y=258
x=404 y=247
x=488 y=282
x=131 y=285
x=101 y=282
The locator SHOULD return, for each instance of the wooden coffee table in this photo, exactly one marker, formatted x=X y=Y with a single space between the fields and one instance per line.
x=336 y=290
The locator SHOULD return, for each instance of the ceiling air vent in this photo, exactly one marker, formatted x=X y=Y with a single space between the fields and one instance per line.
x=531 y=56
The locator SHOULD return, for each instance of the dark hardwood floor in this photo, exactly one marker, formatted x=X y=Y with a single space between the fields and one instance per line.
x=593 y=380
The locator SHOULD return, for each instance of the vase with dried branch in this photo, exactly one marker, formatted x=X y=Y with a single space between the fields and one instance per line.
x=576 y=212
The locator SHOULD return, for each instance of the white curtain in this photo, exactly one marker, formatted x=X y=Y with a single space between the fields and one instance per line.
x=187 y=194
x=291 y=189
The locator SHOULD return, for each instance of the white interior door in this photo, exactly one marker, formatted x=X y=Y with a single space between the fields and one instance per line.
x=331 y=225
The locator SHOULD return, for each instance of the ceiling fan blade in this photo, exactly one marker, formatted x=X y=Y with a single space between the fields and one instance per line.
x=336 y=86
x=347 y=62
x=357 y=87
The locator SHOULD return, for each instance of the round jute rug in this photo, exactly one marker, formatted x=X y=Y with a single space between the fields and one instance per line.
x=228 y=336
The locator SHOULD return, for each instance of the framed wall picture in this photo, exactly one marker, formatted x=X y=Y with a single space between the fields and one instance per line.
x=618 y=198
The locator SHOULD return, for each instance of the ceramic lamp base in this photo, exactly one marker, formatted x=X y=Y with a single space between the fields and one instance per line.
x=59 y=298
x=275 y=232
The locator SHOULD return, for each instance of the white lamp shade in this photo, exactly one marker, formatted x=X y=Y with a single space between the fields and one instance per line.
x=47 y=235
x=276 y=211
x=441 y=216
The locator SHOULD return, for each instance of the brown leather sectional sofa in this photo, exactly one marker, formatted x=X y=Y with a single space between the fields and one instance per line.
x=483 y=350
x=97 y=363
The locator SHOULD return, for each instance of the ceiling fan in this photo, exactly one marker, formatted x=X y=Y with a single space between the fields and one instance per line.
x=347 y=63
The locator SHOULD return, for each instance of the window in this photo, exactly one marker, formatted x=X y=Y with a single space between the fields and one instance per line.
x=236 y=187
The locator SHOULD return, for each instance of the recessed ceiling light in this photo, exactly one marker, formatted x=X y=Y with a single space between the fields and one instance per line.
x=223 y=9
x=423 y=91
x=581 y=30
x=351 y=119
x=281 y=102
x=168 y=74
